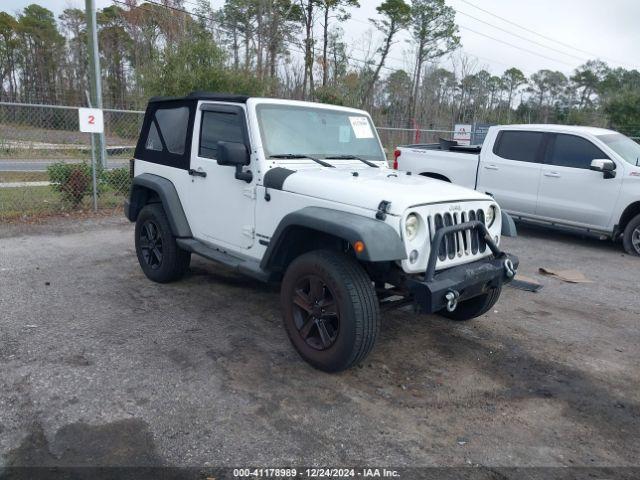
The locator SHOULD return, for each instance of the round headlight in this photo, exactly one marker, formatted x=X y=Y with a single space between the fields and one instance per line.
x=411 y=225
x=490 y=217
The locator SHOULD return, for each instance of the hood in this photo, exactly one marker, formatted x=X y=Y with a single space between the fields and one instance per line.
x=372 y=185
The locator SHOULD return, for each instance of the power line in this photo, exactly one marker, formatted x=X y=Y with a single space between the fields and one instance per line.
x=591 y=54
x=520 y=36
x=490 y=60
x=516 y=46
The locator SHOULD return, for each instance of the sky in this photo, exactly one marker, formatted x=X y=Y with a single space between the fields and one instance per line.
x=496 y=34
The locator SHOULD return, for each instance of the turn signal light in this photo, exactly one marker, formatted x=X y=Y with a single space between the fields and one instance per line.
x=358 y=246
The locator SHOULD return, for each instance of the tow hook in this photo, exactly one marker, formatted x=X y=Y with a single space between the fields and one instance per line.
x=452 y=300
x=509 y=268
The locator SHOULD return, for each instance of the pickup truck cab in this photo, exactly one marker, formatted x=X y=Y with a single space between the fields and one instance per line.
x=573 y=177
x=301 y=194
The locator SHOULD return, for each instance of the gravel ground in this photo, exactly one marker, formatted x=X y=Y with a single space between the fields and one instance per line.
x=98 y=365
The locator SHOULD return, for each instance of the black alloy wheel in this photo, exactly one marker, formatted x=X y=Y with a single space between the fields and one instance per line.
x=316 y=314
x=151 y=244
x=330 y=309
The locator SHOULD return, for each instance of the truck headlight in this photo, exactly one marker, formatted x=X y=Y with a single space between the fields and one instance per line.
x=490 y=216
x=411 y=225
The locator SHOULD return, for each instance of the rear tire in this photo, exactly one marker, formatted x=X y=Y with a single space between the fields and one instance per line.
x=631 y=236
x=474 y=307
x=330 y=310
x=158 y=253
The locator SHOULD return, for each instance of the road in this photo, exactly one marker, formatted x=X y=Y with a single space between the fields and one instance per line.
x=98 y=365
x=41 y=165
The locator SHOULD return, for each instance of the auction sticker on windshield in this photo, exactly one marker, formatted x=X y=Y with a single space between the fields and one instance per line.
x=361 y=127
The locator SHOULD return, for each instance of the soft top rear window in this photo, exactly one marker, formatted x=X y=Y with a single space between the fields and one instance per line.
x=166 y=133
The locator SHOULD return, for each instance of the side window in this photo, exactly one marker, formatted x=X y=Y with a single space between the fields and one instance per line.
x=573 y=151
x=219 y=127
x=168 y=130
x=521 y=146
x=153 y=139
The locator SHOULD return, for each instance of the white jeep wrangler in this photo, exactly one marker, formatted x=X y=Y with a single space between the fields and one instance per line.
x=301 y=193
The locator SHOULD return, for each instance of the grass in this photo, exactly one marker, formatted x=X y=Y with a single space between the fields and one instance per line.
x=6 y=177
x=28 y=202
x=34 y=154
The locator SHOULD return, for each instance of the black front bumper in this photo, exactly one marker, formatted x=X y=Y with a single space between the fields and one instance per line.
x=465 y=281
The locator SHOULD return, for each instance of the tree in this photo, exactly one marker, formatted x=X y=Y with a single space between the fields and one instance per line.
x=42 y=47
x=307 y=18
x=115 y=47
x=434 y=32
x=9 y=45
x=587 y=78
x=512 y=79
x=396 y=15
x=282 y=20
x=547 y=87
x=343 y=14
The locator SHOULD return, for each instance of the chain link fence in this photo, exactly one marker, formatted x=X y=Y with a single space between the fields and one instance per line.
x=45 y=161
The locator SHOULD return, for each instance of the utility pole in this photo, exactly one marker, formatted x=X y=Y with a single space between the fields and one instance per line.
x=95 y=81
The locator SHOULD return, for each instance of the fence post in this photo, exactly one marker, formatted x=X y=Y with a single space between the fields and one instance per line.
x=94 y=71
x=93 y=164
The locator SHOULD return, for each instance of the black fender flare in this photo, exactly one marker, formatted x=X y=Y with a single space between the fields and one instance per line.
x=381 y=242
x=166 y=191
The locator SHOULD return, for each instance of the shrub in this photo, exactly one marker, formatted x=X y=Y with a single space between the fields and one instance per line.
x=71 y=180
x=118 y=180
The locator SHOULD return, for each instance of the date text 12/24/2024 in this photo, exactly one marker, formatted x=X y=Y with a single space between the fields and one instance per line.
x=315 y=473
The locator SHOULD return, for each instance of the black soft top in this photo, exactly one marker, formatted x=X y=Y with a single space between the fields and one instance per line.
x=221 y=97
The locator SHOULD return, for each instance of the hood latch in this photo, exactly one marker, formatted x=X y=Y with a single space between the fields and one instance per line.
x=383 y=208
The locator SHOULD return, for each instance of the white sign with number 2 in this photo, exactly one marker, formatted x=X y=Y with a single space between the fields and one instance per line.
x=90 y=120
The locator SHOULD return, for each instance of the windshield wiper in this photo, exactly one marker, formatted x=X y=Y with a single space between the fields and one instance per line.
x=351 y=157
x=293 y=156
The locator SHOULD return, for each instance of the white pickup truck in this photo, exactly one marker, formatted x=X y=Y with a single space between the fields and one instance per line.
x=572 y=177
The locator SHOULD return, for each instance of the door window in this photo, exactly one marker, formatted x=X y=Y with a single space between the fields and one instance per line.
x=219 y=127
x=521 y=146
x=572 y=151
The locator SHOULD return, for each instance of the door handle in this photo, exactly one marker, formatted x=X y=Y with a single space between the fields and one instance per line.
x=552 y=174
x=197 y=173
x=491 y=167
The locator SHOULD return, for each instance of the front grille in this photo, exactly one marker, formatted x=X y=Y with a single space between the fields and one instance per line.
x=459 y=244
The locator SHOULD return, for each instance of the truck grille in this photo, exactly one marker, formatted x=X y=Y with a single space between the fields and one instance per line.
x=460 y=244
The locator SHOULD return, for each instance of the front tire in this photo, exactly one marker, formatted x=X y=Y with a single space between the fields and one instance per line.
x=330 y=310
x=631 y=236
x=158 y=253
x=474 y=307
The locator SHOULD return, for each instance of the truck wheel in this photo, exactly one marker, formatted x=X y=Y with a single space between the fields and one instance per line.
x=330 y=310
x=160 y=257
x=631 y=236
x=474 y=307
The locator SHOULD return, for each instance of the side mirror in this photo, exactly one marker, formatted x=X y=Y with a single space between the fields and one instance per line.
x=235 y=155
x=606 y=166
x=232 y=154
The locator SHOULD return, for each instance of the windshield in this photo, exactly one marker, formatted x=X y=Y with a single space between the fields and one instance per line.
x=317 y=132
x=623 y=146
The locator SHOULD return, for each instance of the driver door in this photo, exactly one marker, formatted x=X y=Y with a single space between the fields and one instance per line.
x=222 y=206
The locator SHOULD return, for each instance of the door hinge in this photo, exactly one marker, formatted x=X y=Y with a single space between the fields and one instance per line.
x=250 y=192
x=248 y=231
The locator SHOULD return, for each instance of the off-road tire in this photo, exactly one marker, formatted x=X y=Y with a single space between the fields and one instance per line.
x=474 y=307
x=174 y=261
x=356 y=304
x=631 y=236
